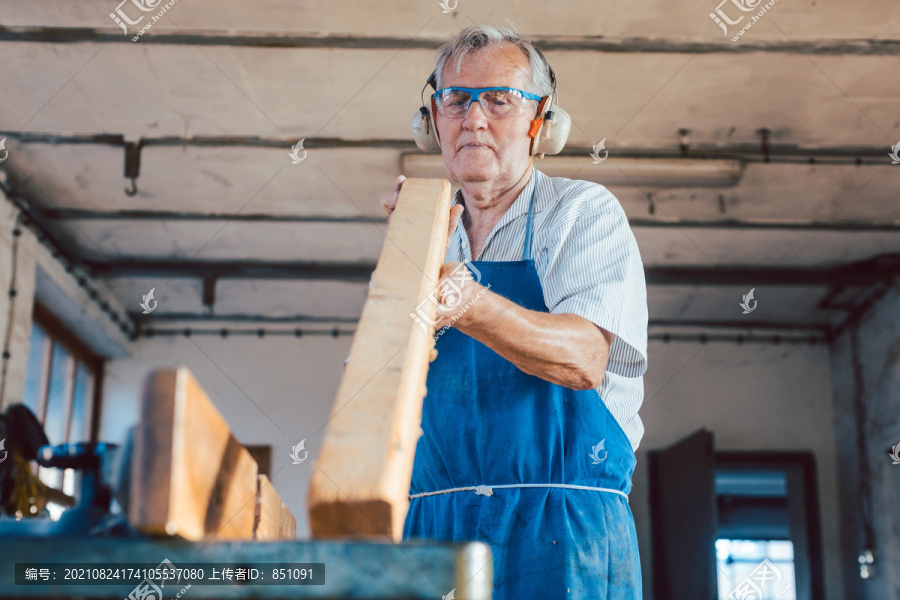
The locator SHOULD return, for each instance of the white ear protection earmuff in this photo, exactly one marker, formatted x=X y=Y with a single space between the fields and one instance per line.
x=423 y=129
x=549 y=129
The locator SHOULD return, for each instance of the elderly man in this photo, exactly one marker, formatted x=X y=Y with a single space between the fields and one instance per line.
x=530 y=422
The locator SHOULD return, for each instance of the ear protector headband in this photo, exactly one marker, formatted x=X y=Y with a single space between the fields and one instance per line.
x=549 y=129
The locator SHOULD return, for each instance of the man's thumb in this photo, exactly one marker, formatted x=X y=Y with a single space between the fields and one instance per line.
x=455 y=214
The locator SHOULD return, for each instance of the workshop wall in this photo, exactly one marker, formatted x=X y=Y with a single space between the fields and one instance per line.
x=878 y=361
x=17 y=279
x=31 y=271
x=752 y=397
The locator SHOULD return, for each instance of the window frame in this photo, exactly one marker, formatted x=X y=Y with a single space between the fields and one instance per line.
x=58 y=333
x=803 y=506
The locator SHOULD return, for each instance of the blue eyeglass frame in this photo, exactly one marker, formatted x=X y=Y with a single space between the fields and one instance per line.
x=475 y=94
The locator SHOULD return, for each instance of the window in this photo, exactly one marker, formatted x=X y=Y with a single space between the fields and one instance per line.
x=61 y=388
x=745 y=561
x=767 y=537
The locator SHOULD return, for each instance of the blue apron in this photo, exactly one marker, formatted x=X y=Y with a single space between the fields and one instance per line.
x=538 y=471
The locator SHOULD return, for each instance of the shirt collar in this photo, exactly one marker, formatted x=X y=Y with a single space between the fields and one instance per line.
x=520 y=205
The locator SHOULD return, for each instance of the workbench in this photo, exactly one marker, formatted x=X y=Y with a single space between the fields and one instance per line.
x=353 y=570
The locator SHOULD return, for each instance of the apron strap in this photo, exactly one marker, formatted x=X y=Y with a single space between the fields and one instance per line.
x=526 y=251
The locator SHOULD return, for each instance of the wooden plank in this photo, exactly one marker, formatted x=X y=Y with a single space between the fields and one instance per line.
x=190 y=477
x=268 y=511
x=360 y=485
x=288 y=529
x=273 y=519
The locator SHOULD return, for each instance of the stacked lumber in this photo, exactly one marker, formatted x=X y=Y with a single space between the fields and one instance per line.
x=190 y=477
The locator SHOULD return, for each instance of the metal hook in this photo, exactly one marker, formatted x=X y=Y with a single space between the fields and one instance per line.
x=132 y=164
x=684 y=143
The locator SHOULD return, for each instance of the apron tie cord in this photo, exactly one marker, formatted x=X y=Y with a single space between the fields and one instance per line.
x=488 y=490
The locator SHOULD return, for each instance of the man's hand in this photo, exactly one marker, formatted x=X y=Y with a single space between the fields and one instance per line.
x=389 y=202
x=458 y=292
x=565 y=349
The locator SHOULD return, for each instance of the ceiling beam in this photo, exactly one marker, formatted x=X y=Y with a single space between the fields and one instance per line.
x=117 y=139
x=617 y=45
x=783 y=225
x=359 y=272
x=164 y=317
x=747 y=152
x=863 y=273
x=859 y=274
x=84 y=214
x=740 y=322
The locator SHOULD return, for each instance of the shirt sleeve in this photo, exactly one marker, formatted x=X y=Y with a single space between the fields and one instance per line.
x=593 y=269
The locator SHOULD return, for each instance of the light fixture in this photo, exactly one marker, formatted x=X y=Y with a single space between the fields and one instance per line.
x=640 y=172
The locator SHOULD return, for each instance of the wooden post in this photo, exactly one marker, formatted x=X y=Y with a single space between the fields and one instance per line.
x=360 y=483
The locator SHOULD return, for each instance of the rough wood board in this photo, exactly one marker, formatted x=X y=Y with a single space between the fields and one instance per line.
x=360 y=485
x=288 y=529
x=268 y=511
x=273 y=519
x=190 y=477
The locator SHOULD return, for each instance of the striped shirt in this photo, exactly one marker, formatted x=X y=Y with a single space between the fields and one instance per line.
x=589 y=264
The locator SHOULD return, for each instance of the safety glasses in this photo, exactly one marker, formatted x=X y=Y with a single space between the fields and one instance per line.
x=496 y=102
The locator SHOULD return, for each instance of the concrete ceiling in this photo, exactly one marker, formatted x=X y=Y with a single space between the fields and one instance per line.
x=219 y=92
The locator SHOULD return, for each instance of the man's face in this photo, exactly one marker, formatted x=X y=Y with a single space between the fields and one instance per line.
x=477 y=148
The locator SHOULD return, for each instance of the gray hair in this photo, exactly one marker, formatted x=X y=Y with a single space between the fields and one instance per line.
x=477 y=37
